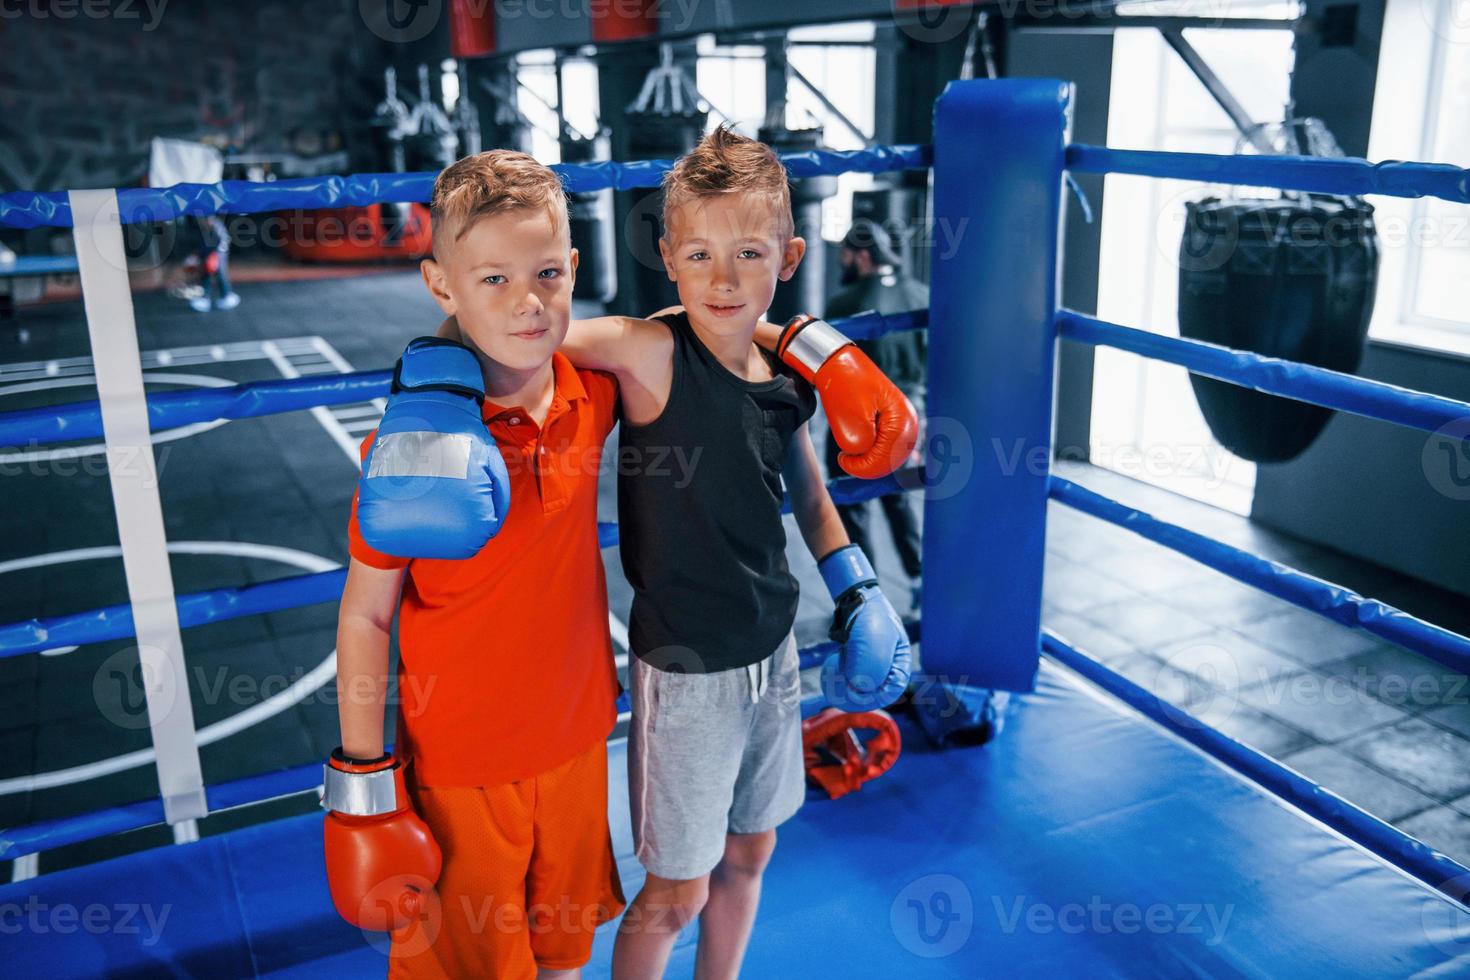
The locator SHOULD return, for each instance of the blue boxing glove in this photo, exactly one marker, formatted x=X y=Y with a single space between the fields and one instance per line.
x=434 y=484
x=872 y=668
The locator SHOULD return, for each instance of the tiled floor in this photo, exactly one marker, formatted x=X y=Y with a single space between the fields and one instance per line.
x=1383 y=727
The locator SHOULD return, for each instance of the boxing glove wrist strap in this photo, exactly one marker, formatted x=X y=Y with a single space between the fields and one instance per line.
x=807 y=342
x=846 y=570
x=349 y=786
x=437 y=364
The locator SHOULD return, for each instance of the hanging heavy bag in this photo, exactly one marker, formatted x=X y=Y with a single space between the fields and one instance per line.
x=1285 y=278
x=591 y=215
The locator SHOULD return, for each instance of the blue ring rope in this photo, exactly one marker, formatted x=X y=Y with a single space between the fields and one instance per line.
x=292 y=592
x=35 y=209
x=1393 y=845
x=1290 y=379
x=34 y=427
x=1328 y=175
x=1335 y=602
x=45 y=835
x=1322 y=175
x=40 y=426
x=195 y=609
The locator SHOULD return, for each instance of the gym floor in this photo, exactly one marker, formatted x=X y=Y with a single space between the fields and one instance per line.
x=258 y=499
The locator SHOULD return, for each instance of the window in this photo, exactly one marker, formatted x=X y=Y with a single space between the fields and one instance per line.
x=580 y=90
x=1146 y=423
x=449 y=81
x=1425 y=259
x=733 y=79
x=536 y=100
x=844 y=73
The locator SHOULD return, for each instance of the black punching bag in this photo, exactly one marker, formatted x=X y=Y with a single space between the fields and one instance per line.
x=653 y=136
x=1292 y=279
x=804 y=292
x=593 y=235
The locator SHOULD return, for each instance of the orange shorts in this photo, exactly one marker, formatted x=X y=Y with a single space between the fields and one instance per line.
x=529 y=874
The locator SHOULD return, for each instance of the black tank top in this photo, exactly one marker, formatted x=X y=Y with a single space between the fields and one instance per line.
x=699 y=511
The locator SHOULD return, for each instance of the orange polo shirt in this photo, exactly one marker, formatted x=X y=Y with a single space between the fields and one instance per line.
x=506 y=667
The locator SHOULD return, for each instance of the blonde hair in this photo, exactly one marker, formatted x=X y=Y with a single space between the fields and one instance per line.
x=725 y=162
x=492 y=182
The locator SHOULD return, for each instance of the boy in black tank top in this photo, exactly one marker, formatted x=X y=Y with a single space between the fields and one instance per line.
x=715 y=756
x=712 y=426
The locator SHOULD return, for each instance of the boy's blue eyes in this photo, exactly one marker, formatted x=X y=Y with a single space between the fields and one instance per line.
x=498 y=279
x=744 y=253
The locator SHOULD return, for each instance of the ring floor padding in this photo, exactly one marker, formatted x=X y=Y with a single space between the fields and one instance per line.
x=1082 y=841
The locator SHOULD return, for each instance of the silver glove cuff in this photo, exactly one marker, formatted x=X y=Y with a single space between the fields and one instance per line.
x=814 y=343
x=360 y=794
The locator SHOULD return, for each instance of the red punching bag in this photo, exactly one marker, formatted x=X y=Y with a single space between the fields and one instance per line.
x=625 y=21
x=471 y=28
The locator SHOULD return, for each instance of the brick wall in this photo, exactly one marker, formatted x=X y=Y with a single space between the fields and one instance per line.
x=85 y=85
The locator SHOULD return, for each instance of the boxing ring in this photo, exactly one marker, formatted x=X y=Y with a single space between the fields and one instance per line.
x=1102 y=831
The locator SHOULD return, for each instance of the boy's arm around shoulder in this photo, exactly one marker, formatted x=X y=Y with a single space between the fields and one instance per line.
x=767 y=334
x=633 y=350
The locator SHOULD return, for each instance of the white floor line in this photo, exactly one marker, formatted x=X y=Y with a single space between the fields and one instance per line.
x=303 y=560
x=365 y=410
x=307 y=685
x=278 y=352
x=339 y=435
x=315 y=354
x=320 y=675
x=326 y=350
x=245 y=350
x=97 y=449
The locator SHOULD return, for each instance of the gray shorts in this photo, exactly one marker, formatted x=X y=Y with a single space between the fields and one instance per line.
x=710 y=755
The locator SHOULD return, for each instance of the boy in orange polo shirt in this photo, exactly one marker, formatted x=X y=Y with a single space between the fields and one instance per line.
x=714 y=753
x=506 y=673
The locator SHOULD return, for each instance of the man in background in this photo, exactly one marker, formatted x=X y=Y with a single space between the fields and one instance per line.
x=873 y=278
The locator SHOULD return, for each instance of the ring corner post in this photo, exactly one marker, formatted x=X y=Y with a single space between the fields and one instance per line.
x=999 y=155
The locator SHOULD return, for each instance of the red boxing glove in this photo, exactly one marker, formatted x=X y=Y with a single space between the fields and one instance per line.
x=382 y=861
x=874 y=424
x=837 y=759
